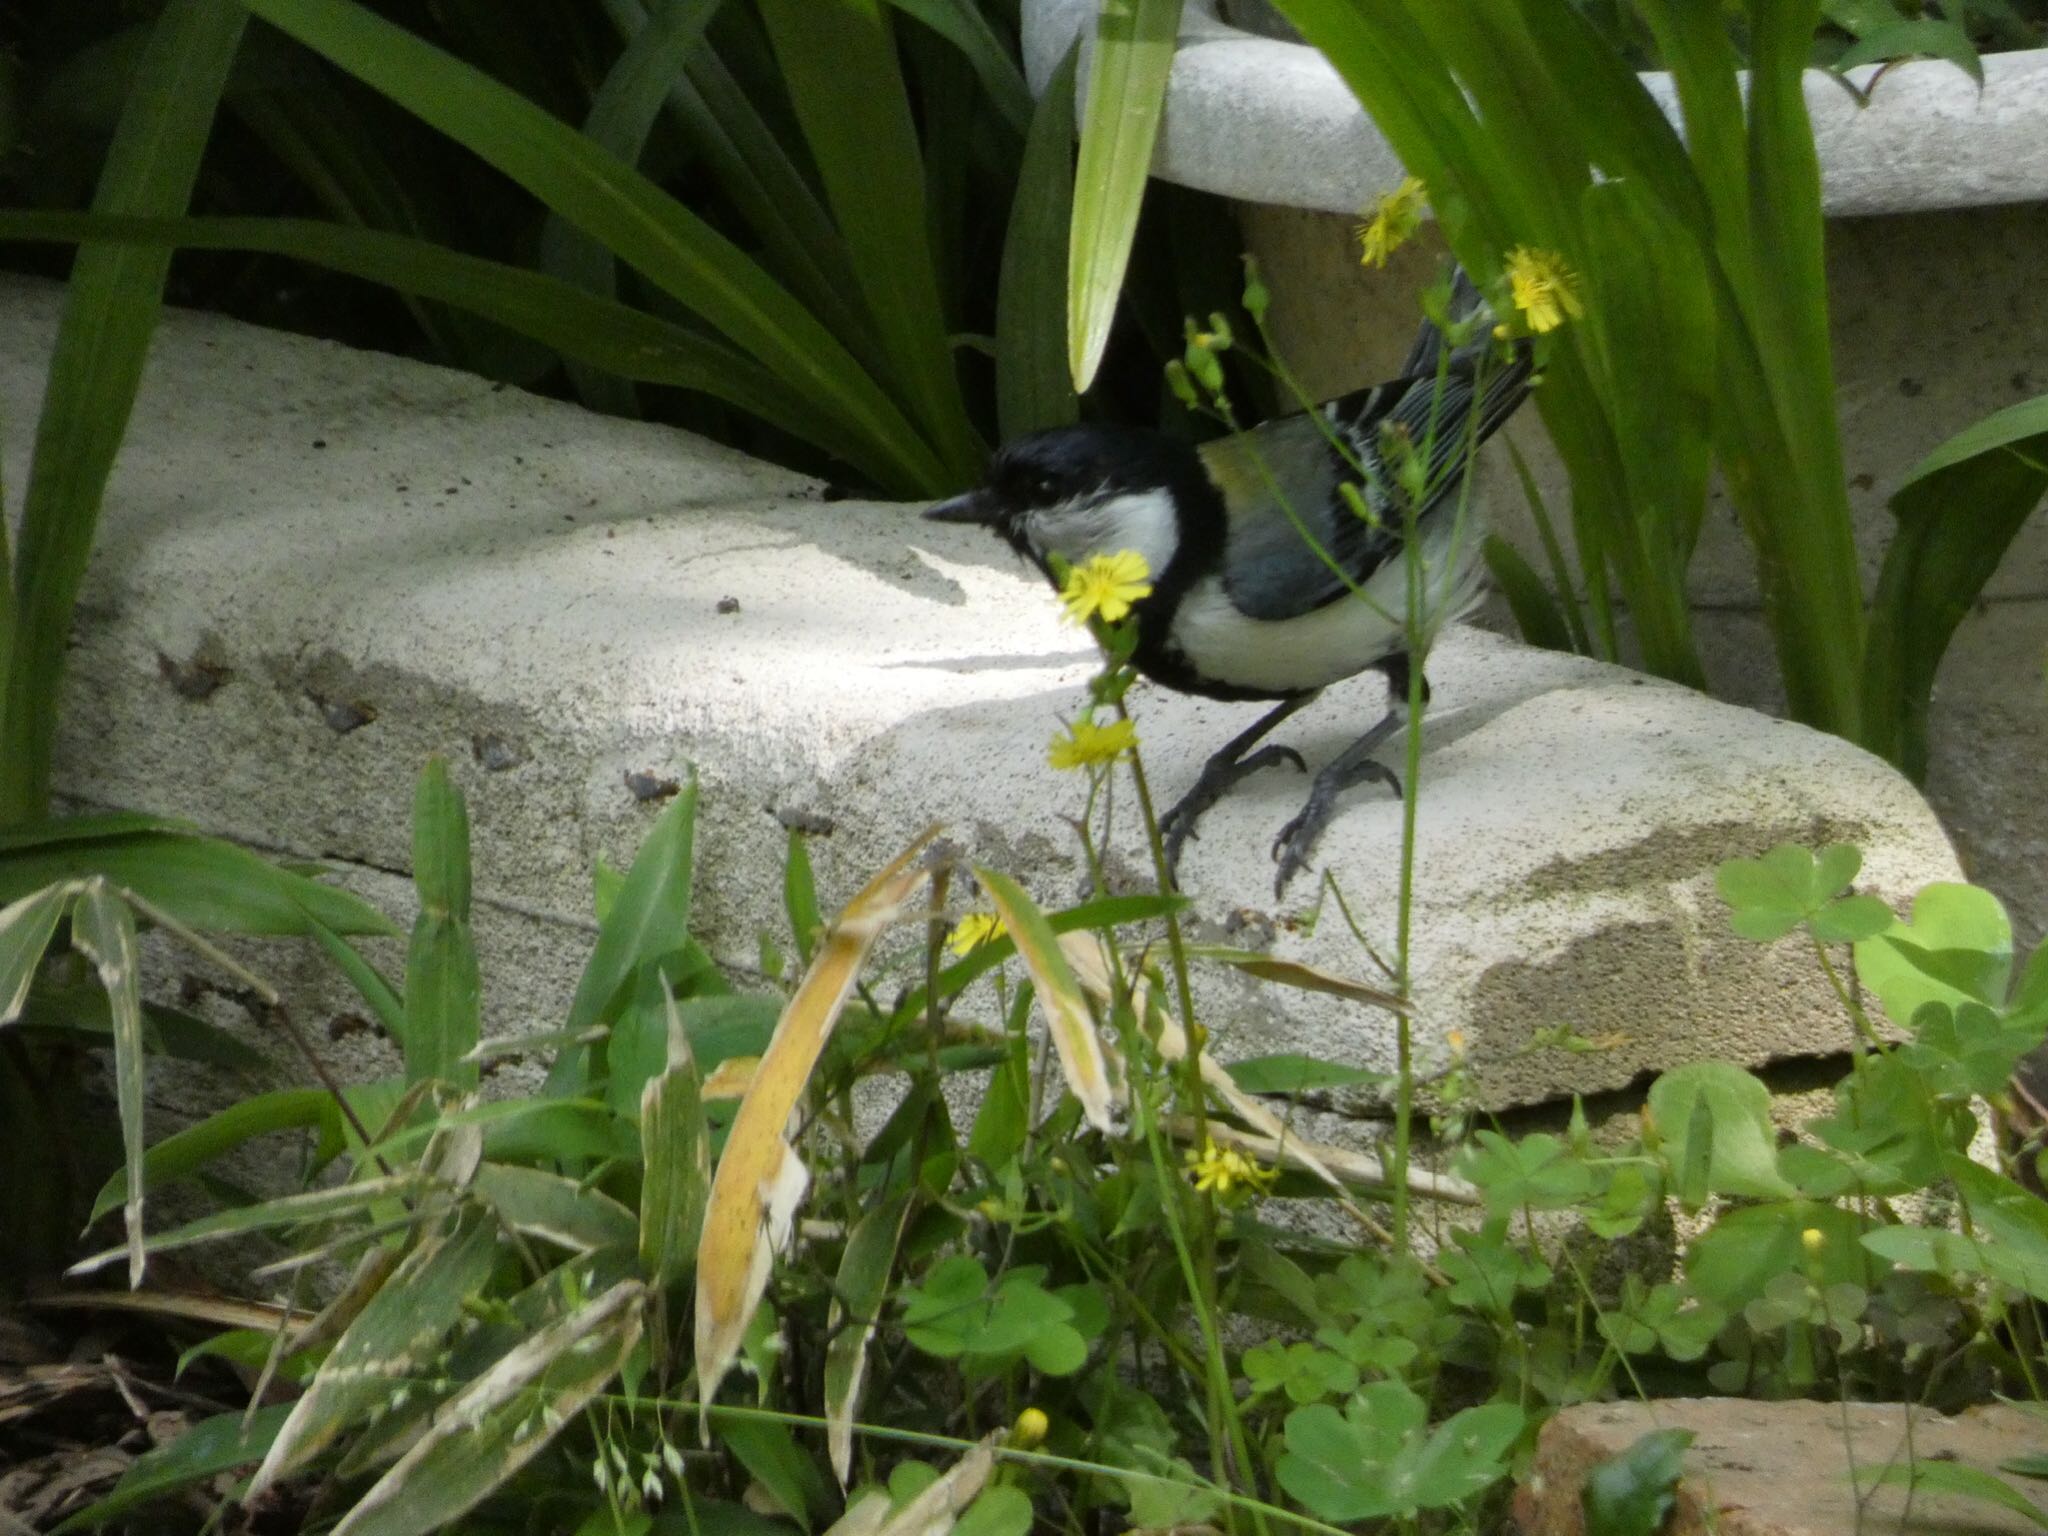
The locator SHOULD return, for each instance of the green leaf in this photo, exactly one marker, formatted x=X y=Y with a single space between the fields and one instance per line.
x=1732 y=1262
x=649 y=920
x=185 y=1153
x=772 y=1458
x=838 y=60
x=26 y=926
x=964 y=24
x=675 y=1153
x=285 y=1211
x=110 y=310
x=859 y=1295
x=800 y=897
x=1290 y=1072
x=1931 y=37
x=555 y=1209
x=1956 y=948
x=585 y=328
x=494 y=1426
x=1538 y=614
x=210 y=1447
x=1957 y=1478
x=1033 y=388
x=623 y=111
x=389 y=1348
x=1744 y=1159
x=1373 y=1460
x=1003 y=1122
x=363 y=976
x=1788 y=886
x=670 y=245
x=1127 y=75
x=1958 y=511
x=103 y=929
x=1631 y=1492
x=202 y=882
x=998 y=1511
x=1537 y=1172
x=442 y=989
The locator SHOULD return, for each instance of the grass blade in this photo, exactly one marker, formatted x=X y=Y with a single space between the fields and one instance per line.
x=26 y=926
x=583 y=328
x=839 y=60
x=858 y=1297
x=1959 y=510
x=675 y=1150
x=649 y=919
x=185 y=1153
x=110 y=310
x=212 y=1446
x=670 y=245
x=963 y=24
x=502 y=1420
x=1127 y=77
x=1033 y=387
x=441 y=982
x=200 y=881
x=622 y=113
x=388 y=1346
x=103 y=929
x=557 y=1210
x=286 y=1211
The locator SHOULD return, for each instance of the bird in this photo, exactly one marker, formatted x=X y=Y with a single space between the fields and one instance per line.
x=1266 y=582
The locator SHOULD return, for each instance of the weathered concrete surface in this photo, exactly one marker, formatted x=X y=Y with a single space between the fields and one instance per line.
x=1267 y=118
x=1785 y=1469
x=388 y=560
x=1937 y=321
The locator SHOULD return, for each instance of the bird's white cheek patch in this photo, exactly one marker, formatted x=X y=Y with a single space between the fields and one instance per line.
x=1280 y=655
x=1139 y=520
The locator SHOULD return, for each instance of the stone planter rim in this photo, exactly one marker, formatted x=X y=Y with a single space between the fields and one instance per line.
x=1265 y=121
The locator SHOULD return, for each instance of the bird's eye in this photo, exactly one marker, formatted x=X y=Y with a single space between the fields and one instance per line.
x=1043 y=489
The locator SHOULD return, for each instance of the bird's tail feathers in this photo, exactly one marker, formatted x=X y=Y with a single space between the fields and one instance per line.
x=1466 y=302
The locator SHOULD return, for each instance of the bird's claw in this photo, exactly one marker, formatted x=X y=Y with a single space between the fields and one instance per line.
x=1177 y=826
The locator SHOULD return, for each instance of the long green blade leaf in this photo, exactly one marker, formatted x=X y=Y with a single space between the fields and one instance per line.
x=26 y=926
x=839 y=59
x=672 y=246
x=1959 y=510
x=110 y=310
x=1126 y=89
x=584 y=328
x=1033 y=387
x=442 y=1005
x=104 y=930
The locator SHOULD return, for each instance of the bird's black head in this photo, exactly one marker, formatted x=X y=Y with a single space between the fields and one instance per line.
x=1086 y=490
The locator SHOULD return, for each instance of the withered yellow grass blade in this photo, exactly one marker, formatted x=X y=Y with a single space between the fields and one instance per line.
x=731 y=1078
x=1082 y=1060
x=760 y=1180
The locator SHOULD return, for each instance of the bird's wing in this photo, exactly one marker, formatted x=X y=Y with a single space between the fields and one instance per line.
x=1294 y=543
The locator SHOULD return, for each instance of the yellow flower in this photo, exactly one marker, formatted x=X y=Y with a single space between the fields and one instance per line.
x=1219 y=1170
x=1105 y=586
x=1087 y=743
x=1544 y=289
x=973 y=931
x=1030 y=1429
x=1393 y=223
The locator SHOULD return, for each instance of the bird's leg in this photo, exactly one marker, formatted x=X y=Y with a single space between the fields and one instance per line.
x=1225 y=768
x=1297 y=840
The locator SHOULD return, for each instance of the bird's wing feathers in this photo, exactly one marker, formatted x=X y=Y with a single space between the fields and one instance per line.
x=1272 y=566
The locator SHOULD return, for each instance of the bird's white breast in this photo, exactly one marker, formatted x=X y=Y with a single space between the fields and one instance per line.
x=1281 y=655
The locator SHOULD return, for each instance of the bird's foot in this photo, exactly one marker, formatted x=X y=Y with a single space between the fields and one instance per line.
x=1219 y=775
x=1297 y=840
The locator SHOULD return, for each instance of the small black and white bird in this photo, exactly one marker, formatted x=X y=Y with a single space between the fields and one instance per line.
x=1243 y=605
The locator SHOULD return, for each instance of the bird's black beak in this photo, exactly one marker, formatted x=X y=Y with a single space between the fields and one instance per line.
x=975 y=506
